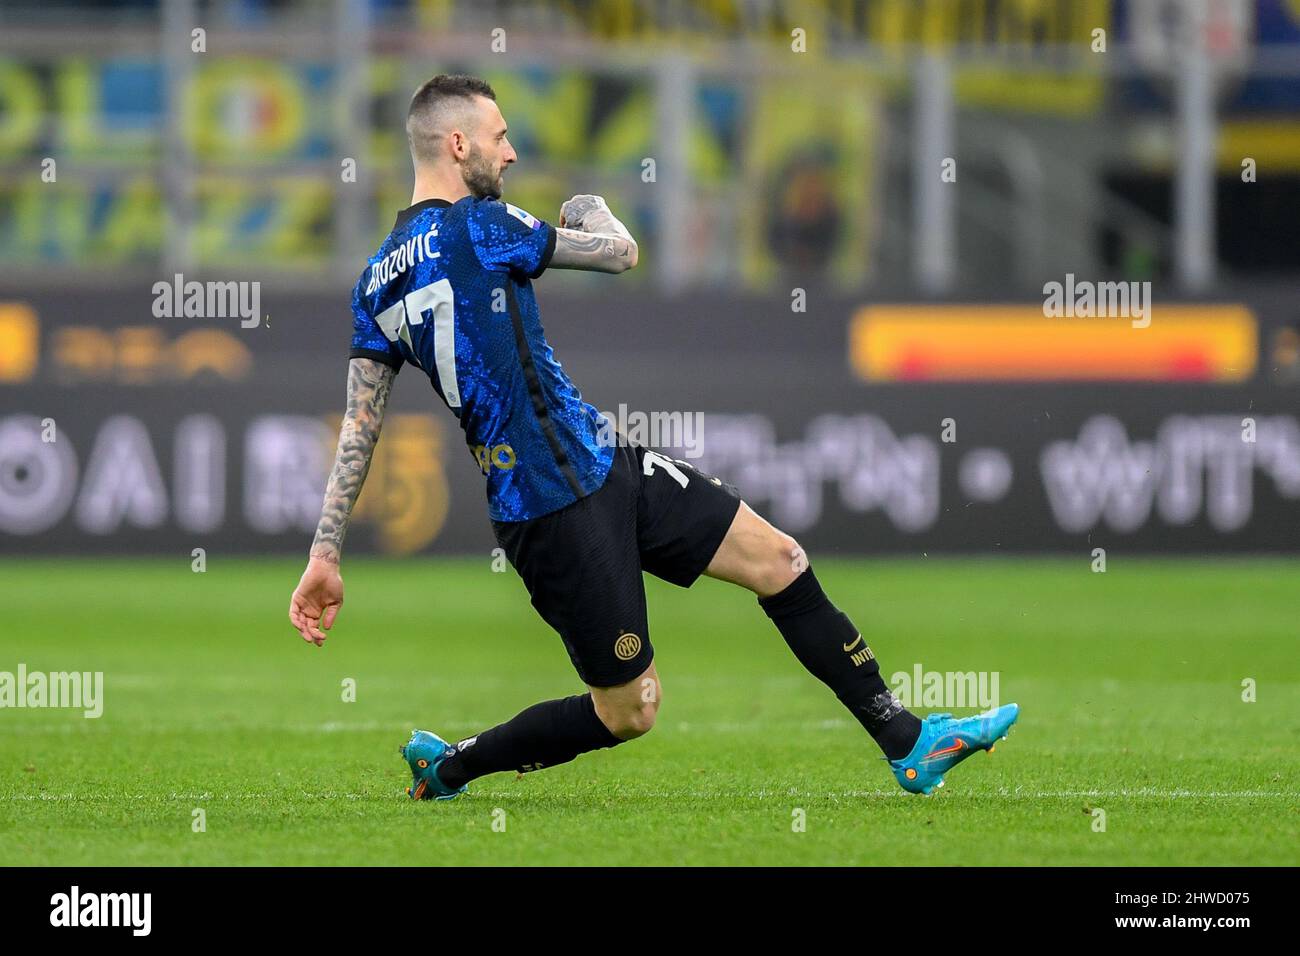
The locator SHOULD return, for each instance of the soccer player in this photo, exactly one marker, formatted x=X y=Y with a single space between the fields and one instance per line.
x=451 y=292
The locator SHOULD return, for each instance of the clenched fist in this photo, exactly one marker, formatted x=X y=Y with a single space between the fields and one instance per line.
x=577 y=213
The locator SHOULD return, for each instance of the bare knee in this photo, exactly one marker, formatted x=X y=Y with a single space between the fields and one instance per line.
x=629 y=721
x=757 y=556
x=629 y=711
x=629 y=724
x=784 y=560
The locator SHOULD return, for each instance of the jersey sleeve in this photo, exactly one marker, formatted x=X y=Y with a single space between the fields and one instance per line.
x=368 y=340
x=507 y=239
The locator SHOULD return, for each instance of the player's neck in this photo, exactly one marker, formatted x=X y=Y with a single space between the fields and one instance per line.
x=429 y=185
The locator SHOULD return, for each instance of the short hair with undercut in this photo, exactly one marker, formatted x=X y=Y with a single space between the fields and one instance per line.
x=437 y=104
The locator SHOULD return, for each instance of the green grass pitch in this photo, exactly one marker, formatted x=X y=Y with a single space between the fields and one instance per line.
x=1130 y=684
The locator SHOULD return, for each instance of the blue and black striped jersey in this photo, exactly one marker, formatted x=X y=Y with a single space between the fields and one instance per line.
x=451 y=292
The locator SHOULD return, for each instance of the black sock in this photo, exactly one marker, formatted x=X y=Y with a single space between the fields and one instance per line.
x=544 y=735
x=833 y=651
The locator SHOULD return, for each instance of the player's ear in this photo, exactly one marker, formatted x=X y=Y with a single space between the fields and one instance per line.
x=458 y=143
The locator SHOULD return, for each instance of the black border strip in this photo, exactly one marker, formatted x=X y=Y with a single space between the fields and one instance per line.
x=362 y=900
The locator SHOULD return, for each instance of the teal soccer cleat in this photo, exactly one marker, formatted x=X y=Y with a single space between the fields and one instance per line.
x=424 y=751
x=946 y=741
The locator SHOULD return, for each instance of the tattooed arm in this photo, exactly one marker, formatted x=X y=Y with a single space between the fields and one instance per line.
x=592 y=239
x=319 y=595
x=369 y=384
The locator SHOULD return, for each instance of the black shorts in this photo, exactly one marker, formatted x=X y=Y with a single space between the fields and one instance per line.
x=582 y=564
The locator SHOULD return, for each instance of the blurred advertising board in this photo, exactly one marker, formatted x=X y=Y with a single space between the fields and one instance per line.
x=124 y=432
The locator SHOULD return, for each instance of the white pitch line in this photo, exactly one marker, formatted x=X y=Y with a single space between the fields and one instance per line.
x=622 y=792
x=1153 y=792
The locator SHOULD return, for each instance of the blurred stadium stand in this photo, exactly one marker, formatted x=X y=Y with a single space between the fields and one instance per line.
x=766 y=161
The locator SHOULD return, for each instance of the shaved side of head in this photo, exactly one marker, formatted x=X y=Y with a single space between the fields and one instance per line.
x=441 y=105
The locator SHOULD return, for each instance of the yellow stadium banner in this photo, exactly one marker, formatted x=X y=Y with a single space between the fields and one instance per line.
x=18 y=342
x=1008 y=343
